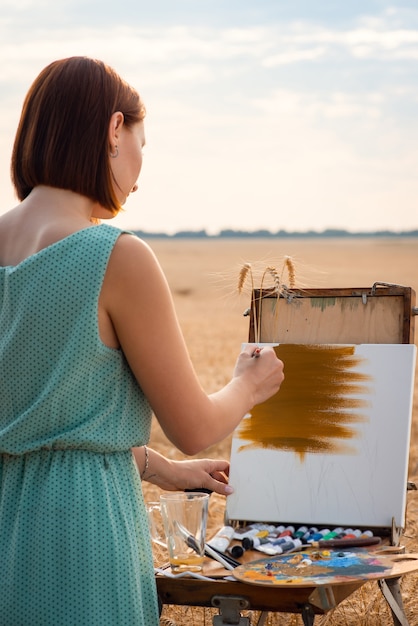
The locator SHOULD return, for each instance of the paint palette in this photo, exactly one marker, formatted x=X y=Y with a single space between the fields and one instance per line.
x=324 y=567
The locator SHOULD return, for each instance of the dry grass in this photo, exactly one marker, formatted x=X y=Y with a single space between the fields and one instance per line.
x=203 y=276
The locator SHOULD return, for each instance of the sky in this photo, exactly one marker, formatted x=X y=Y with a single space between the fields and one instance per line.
x=261 y=114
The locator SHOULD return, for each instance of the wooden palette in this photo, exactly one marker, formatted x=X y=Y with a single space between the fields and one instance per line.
x=325 y=567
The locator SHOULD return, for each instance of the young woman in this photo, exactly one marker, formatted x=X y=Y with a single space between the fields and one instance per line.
x=90 y=346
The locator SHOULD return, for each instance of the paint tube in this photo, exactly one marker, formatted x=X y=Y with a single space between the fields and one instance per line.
x=249 y=543
x=222 y=539
x=282 y=548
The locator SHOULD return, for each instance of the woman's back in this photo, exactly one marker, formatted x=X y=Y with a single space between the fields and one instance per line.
x=59 y=376
x=70 y=410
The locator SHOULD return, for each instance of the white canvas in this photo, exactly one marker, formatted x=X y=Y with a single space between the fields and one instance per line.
x=366 y=487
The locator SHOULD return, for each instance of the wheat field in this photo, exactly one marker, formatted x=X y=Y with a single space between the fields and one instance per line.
x=203 y=276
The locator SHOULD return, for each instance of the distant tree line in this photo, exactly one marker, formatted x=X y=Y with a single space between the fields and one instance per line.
x=283 y=234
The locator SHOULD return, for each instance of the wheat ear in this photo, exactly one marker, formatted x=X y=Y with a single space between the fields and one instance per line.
x=275 y=276
x=246 y=271
x=291 y=271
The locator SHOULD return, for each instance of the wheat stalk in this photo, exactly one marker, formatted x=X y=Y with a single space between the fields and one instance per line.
x=273 y=273
x=244 y=272
x=291 y=271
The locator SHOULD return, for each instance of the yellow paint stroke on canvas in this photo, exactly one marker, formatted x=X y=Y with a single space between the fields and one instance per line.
x=318 y=406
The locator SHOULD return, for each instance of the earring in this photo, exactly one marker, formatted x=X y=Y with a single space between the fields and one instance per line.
x=114 y=154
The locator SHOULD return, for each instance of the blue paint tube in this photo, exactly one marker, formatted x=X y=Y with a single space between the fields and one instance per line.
x=319 y=535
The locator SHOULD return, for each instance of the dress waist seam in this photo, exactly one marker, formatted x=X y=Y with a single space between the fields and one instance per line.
x=13 y=455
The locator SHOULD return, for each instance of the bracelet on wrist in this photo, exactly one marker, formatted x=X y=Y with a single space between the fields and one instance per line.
x=146 y=464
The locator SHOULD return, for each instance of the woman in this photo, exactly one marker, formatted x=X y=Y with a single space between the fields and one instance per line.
x=89 y=346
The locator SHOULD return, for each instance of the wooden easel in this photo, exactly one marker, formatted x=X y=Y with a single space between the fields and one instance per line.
x=382 y=313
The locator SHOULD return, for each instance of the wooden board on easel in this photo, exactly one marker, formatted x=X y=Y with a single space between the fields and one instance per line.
x=377 y=314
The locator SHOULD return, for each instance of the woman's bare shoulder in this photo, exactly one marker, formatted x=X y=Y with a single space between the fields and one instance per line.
x=132 y=267
x=131 y=253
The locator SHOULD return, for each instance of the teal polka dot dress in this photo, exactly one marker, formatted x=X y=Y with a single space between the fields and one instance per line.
x=74 y=541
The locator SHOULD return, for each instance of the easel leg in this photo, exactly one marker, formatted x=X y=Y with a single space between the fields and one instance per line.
x=308 y=615
x=392 y=593
x=262 y=618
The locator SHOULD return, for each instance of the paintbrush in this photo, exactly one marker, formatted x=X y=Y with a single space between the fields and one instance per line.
x=224 y=560
x=226 y=557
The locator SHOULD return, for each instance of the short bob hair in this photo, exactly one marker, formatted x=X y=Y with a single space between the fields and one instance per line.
x=62 y=137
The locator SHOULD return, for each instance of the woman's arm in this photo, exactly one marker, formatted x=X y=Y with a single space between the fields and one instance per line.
x=137 y=299
x=179 y=475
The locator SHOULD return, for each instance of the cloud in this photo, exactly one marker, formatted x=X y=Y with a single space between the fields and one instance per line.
x=283 y=167
x=295 y=56
x=288 y=42
x=18 y=6
x=160 y=57
x=334 y=104
x=282 y=124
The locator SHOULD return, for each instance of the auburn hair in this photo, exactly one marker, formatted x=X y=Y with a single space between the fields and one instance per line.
x=62 y=136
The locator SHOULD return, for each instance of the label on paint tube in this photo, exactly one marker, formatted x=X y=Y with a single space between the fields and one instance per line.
x=222 y=539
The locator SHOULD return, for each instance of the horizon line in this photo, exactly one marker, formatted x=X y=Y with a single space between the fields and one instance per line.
x=264 y=233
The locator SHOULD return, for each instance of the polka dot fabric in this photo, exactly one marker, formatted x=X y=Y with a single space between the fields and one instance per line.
x=74 y=538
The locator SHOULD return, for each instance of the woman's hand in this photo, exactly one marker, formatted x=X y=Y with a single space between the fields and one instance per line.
x=180 y=475
x=261 y=369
